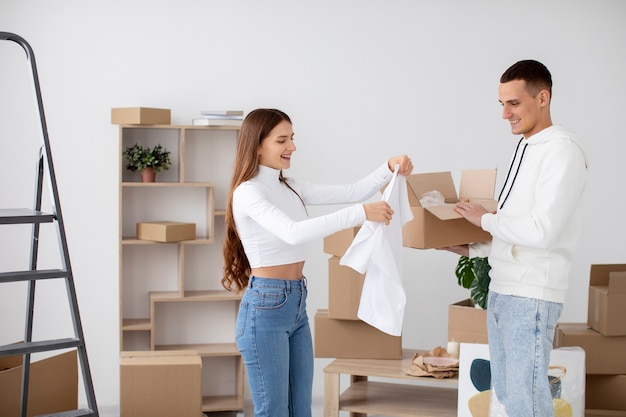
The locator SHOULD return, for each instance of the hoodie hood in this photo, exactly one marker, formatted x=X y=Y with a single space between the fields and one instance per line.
x=557 y=132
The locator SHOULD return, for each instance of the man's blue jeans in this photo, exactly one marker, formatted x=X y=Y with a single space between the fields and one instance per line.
x=274 y=338
x=521 y=331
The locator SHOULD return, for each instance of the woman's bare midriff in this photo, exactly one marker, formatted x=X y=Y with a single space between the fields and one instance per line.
x=288 y=271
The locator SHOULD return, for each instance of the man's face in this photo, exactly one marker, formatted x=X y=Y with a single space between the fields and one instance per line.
x=524 y=112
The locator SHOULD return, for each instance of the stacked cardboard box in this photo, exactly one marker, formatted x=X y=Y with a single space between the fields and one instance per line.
x=160 y=384
x=603 y=338
x=338 y=331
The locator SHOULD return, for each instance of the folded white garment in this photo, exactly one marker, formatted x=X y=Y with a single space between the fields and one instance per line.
x=376 y=251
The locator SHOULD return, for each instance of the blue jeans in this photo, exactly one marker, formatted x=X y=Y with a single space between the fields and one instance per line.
x=274 y=338
x=521 y=331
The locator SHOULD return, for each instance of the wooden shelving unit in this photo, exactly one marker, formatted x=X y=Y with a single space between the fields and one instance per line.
x=160 y=279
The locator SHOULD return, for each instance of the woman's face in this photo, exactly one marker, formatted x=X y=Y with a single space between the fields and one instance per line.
x=275 y=150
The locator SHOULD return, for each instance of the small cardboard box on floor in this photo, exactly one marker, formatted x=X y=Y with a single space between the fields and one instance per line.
x=344 y=290
x=607 y=299
x=53 y=386
x=160 y=384
x=353 y=339
x=466 y=323
x=140 y=116
x=439 y=226
x=604 y=354
x=166 y=232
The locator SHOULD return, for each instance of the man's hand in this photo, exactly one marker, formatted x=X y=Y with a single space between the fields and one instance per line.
x=473 y=212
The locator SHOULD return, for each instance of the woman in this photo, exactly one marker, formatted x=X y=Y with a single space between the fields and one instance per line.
x=267 y=228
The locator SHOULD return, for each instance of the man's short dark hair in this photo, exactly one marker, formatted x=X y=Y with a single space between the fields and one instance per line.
x=535 y=74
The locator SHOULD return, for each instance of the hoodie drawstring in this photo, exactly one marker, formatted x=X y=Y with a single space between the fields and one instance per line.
x=509 y=173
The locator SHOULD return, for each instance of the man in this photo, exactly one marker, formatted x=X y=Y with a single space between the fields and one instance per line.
x=535 y=230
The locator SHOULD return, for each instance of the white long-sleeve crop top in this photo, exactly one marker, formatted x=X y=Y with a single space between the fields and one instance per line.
x=272 y=221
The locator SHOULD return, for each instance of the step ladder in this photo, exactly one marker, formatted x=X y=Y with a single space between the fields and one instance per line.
x=36 y=218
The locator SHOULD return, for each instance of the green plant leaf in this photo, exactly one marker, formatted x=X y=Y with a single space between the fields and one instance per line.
x=139 y=158
x=474 y=274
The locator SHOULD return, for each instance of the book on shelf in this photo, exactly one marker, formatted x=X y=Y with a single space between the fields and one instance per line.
x=215 y=116
x=222 y=113
x=204 y=121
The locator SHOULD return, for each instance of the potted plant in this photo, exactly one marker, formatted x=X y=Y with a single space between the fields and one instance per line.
x=148 y=161
x=473 y=274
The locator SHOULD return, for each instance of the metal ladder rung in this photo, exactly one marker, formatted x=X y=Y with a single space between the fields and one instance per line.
x=24 y=216
x=32 y=275
x=85 y=412
x=39 y=346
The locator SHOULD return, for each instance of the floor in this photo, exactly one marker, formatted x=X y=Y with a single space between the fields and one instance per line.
x=317 y=411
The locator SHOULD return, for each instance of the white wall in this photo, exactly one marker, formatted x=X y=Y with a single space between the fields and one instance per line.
x=362 y=81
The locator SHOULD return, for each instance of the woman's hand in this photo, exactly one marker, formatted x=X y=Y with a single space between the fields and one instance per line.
x=406 y=166
x=378 y=212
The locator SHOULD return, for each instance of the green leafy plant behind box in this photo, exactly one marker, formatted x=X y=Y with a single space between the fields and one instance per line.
x=139 y=158
x=473 y=274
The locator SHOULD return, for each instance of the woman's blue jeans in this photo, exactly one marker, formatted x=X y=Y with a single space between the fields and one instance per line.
x=521 y=331
x=274 y=338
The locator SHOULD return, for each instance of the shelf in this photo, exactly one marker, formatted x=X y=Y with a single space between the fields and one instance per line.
x=167 y=184
x=222 y=403
x=135 y=241
x=178 y=127
x=400 y=400
x=193 y=296
x=205 y=350
x=136 y=325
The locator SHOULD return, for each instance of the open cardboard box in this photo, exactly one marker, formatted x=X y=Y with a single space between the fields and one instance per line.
x=440 y=226
x=52 y=388
x=467 y=323
x=607 y=299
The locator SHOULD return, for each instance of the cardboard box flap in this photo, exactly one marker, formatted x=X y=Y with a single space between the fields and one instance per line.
x=444 y=212
x=477 y=184
x=599 y=274
x=617 y=282
x=447 y=212
x=418 y=184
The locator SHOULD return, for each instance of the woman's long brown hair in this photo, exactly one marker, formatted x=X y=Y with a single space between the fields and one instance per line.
x=255 y=128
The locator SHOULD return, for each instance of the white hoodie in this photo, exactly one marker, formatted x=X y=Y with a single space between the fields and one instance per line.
x=539 y=218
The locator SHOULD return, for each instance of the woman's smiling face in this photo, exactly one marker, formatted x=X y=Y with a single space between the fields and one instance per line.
x=275 y=150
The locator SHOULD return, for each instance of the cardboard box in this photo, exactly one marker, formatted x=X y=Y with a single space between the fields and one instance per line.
x=140 y=116
x=467 y=323
x=353 y=339
x=440 y=226
x=344 y=290
x=606 y=392
x=166 y=231
x=607 y=299
x=337 y=243
x=53 y=385
x=604 y=354
x=160 y=384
